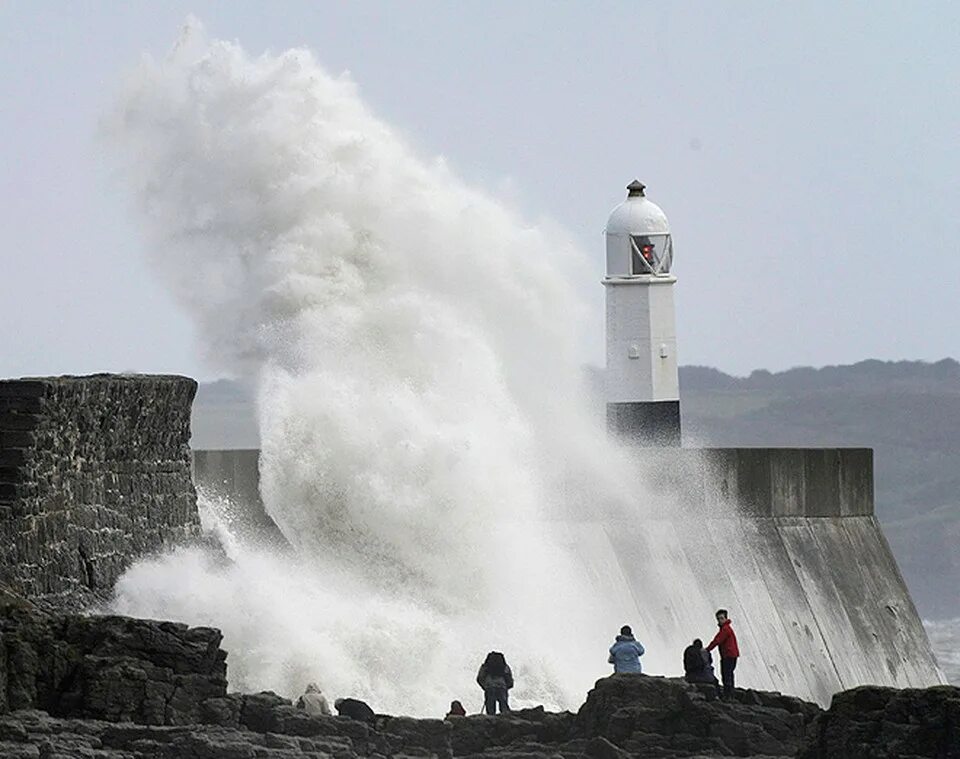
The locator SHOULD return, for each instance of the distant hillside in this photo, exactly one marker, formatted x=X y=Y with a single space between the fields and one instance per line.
x=907 y=411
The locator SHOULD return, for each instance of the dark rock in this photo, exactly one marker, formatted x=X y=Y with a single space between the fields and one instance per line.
x=656 y=716
x=119 y=688
x=259 y=712
x=601 y=748
x=38 y=736
x=871 y=721
x=475 y=734
x=728 y=729
x=110 y=668
x=223 y=711
x=415 y=737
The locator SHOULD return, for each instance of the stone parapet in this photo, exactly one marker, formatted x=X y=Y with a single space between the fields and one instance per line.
x=794 y=482
x=709 y=482
x=760 y=482
x=94 y=472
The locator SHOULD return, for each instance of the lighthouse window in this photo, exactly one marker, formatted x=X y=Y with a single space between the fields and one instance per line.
x=650 y=254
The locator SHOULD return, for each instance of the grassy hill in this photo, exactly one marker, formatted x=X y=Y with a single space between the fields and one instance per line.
x=908 y=412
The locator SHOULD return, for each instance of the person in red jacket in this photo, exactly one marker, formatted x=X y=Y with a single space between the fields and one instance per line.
x=726 y=640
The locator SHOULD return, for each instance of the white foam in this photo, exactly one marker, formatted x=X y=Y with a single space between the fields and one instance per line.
x=419 y=402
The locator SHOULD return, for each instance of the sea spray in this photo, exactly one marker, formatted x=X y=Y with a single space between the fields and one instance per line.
x=419 y=403
x=945 y=640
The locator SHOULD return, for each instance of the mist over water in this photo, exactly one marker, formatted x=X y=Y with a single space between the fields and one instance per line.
x=419 y=404
x=945 y=640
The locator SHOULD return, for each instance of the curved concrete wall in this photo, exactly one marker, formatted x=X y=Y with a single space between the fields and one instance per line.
x=784 y=538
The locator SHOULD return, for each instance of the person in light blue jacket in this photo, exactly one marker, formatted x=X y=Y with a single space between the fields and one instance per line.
x=626 y=652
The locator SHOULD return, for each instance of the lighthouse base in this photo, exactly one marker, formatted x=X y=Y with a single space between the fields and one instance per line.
x=652 y=424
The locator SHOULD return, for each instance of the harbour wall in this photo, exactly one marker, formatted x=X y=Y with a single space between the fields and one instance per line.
x=94 y=473
x=785 y=538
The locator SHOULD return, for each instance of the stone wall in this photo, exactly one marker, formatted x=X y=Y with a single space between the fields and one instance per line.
x=94 y=472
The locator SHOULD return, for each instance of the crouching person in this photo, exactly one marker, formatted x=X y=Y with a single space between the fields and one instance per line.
x=313 y=702
x=698 y=665
x=354 y=708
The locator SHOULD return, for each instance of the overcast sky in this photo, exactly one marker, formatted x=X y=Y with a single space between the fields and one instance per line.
x=806 y=154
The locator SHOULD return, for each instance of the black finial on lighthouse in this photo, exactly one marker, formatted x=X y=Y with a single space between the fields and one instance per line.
x=635 y=189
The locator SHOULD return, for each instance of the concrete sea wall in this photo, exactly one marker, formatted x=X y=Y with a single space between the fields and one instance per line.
x=94 y=472
x=784 y=538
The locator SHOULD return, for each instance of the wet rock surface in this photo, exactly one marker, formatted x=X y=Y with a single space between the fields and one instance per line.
x=110 y=668
x=876 y=723
x=660 y=717
x=114 y=687
x=122 y=688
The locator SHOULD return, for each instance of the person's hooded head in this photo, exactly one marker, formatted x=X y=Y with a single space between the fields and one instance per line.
x=626 y=631
x=313 y=688
x=496 y=663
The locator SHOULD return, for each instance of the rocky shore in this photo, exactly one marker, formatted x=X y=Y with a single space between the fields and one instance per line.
x=122 y=688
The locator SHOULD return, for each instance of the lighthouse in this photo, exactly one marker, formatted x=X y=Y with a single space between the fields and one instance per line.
x=642 y=385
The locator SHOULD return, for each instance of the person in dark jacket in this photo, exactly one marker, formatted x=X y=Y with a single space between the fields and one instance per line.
x=726 y=641
x=496 y=679
x=698 y=665
x=354 y=709
x=625 y=653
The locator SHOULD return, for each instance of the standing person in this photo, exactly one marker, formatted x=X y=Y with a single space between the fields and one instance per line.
x=313 y=702
x=625 y=653
x=496 y=679
x=726 y=640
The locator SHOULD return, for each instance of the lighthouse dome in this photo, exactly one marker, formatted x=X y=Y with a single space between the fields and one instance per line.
x=637 y=215
x=638 y=237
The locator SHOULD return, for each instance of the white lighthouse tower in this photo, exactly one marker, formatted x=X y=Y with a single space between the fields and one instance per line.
x=643 y=389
